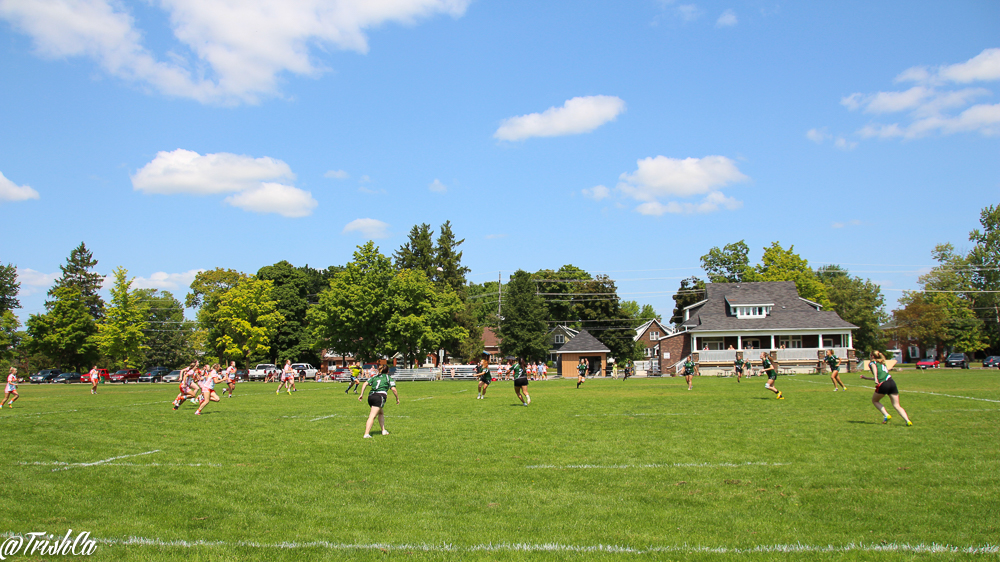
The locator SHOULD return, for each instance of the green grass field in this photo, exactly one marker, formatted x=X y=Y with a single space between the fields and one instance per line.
x=634 y=470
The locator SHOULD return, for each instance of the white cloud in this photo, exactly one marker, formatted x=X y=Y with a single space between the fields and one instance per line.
x=337 y=175
x=372 y=228
x=727 y=19
x=187 y=172
x=854 y=222
x=33 y=281
x=818 y=136
x=437 y=187
x=597 y=192
x=577 y=115
x=663 y=177
x=10 y=191
x=714 y=201
x=688 y=12
x=364 y=179
x=277 y=198
x=844 y=144
x=245 y=46
x=495 y=236
x=167 y=281
x=932 y=103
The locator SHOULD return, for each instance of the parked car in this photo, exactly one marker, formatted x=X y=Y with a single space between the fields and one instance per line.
x=241 y=375
x=66 y=378
x=305 y=370
x=992 y=361
x=928 y=364
x=957 y=360
x=125 y=376
x=45 y=375
x=172 y=376
x=155 y=374
x=101 y=374
x=260 y=372
x=340 y=374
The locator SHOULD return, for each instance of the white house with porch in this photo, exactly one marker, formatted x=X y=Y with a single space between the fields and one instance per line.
x=766 y=316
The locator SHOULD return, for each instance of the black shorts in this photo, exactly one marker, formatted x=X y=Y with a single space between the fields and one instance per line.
x=772 y=375
x=739 y=370
x=523 y=381
x=377 y=399
x=887 y=387
x=486 y=379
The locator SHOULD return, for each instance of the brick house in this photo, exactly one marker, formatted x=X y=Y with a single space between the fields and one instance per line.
x=650 y=334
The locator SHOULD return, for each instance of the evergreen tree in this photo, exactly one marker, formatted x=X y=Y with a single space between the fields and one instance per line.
x=984 y=263
x=418 y=251
x=77 y=275
x=522 y=328
x=9 y=335
x=448 y=261
x=9 y=288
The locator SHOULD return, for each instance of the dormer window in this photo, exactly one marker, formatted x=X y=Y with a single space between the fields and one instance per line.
x=755 y=311
x=560 y=338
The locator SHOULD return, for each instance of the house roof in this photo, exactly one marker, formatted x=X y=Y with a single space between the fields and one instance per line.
x=490 y=338
x=789 y=311
x=584 y=343
x=642 y=329
x=566 y=330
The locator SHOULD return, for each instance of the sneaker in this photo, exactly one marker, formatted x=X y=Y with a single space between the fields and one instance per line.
x=277 y=391
x=385 y=432
x=368 y=436
x=886 y=418
x=835 y=389
x=197 y=412
x=176 y=406
x=909 y=423
x=780 y=397
x=525 y=404
x=529 y=401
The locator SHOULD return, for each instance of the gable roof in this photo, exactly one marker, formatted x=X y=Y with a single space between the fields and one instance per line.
x=642 y=329
x=565 y=330
x=789 y=312
x=584 y=343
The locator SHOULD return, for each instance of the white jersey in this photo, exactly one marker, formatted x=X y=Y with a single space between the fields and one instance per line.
x=231 y=373
x=209 y=382
x=11 y=383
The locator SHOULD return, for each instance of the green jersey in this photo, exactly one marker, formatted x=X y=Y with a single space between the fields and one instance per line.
x=480 y=370
x=766 y=365
x=582 y=367
x=381 y=383
x=833 y=361
x=518 y=371
x=881 y=374
x=688 y=367
x=738 y=364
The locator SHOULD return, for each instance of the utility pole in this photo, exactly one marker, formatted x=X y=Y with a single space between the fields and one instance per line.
x=499 y=292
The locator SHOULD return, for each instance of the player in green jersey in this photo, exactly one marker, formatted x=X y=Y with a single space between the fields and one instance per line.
x=771 y=372
x=738 y=365
x=834 y=362
x=581 y=370
x=381 y=384
x=485 y=377
x=884 y=385
x=520 y=374
x=689 y=370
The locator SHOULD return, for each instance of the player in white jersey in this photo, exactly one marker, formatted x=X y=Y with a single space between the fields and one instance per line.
x=94 y=374
x=286 y=379
x=187 y=385
x=208 y=393
x=11 y=389
x=230 y=376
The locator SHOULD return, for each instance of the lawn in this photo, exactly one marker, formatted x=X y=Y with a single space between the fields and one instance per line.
x=636 y=470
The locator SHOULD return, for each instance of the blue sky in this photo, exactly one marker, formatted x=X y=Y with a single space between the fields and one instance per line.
x=621 y=137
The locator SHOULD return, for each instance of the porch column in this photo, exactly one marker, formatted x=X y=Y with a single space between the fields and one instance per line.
x=850 y=340
x=739 y=342
x=772 y=341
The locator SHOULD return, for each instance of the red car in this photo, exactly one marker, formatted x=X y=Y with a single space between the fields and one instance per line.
x=101 y=374
x=928 y=364
x=126 y=375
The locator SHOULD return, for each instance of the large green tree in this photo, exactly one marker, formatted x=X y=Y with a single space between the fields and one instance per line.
x=9 y=324
x=121 y=336
x=779 y=264
x=691 y=291
x=858 y=301
x=206 y=292
x=9 y=288
x=418 y=251
x=423 y=316
x=984 y=265
x=522 y=327
x=79 y=276
x=294 y=341
x=352 y=314
x=950 y=285
x=730 y=264
x=66 y=332
x=563 y=290
x=169 y=333
x=248 y=319
x=448 y=268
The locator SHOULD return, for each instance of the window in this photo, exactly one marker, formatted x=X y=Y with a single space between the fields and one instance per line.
x=790 y=342
x=648 y=352
x=653 y=336
x=560 y=338
x=713 y=344
x=759 y=311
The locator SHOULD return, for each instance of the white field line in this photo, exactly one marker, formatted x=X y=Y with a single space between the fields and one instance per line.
x=933 y=548
x=351 y=416
x=667 y=465
x=419 y=399
x=915 y=392
x=636 y=414
x=81 y=464
x=66 y=464
x=982 y=410
x=466 y=390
